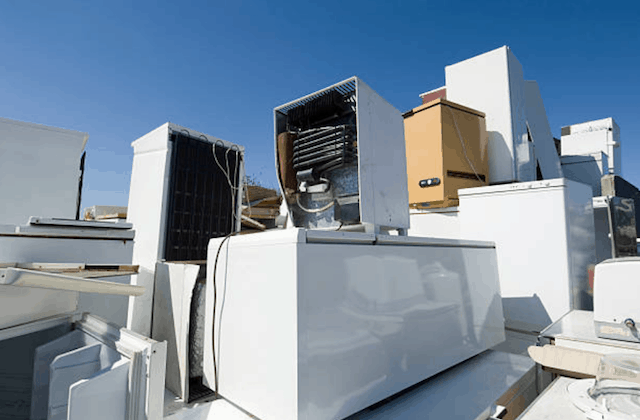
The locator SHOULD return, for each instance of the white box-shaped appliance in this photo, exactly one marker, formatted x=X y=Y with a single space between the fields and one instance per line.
x=587 y=169
x=179 y=198
x=493 y=83
x=63 y=365
x=594 y=136
x=347 y=163
x=46 y=240
x=41 y=170
x=616 y=286
x=312 y=324
x=544 y=235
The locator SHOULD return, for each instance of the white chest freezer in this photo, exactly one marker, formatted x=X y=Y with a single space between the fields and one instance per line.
x=312 y=324
x=58 y=364
x=545 y=239
x=46 y=240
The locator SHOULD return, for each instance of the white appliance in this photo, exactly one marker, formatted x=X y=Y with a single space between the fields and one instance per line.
x=435 y=223
x=594 y=136
x=493 y=83
x=41 y=170
x=340 y=154
x=58 y=364
x=314 y=324
x=615 y=299
x=186 y=187
x=544 y=235
x=587 y=169
x=47 y=240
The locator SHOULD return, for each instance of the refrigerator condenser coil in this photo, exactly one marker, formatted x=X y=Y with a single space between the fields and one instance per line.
x=319 y=150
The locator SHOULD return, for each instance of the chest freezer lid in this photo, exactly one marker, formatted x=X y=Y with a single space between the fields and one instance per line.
x=32 y=291
x=69 y=228
x=514 y=187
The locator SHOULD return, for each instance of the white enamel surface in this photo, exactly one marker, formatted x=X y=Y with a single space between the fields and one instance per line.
x=544 y=235
x=323 y=330
x=545 y=149
x=147 y=211
x=382 y=160
x=443 y=223
x=41 y=168
x=616 y=288
x=493 y=83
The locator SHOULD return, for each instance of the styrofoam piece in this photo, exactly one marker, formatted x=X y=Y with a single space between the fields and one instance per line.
x=493 y=83
x=148 y=208
x=41 y=170
x=594 y=136
x=545 y=149
x=102 y=396
x=545 y=239
x=587 y=169
x=348 y=322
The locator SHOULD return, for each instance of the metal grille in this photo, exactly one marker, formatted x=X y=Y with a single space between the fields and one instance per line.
x=324 y=148
x=200 y=198
x=346 y=89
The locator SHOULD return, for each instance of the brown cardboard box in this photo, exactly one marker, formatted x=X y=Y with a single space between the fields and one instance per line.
x=447 y=142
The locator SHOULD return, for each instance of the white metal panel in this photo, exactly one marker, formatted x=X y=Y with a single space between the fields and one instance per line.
x=29 y=155
x=255 y=322
x=382 y=161
x=544 y=236
x=322 y=330
x=435 y=223
x=546 y=153
x=147 y=212
x=493 y=83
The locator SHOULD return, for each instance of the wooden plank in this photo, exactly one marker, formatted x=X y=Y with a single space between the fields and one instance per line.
x=247 y=221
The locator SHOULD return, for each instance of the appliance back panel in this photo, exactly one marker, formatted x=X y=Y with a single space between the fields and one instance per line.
x=201 y=201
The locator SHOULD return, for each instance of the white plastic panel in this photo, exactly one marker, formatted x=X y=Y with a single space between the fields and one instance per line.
x=29 y=155
x=616 y=290
x=493 y=83
x=346 y=324
x=102 y=396
x=544 y=235
x=545 y=149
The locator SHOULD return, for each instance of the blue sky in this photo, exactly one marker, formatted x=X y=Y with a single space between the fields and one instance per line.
x=117 y=70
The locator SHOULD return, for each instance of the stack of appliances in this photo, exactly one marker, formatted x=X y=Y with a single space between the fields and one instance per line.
x=334 y=314
x=186 y=188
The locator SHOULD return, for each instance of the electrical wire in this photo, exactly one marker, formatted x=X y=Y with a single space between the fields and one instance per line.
x=464 y=148
x=234 y=190
x=213 y=323
x=318 y=210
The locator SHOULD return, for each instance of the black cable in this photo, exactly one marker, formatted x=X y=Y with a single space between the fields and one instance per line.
x=213 y=324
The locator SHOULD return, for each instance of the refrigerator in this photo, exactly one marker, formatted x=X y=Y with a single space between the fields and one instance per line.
x=545 y=240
